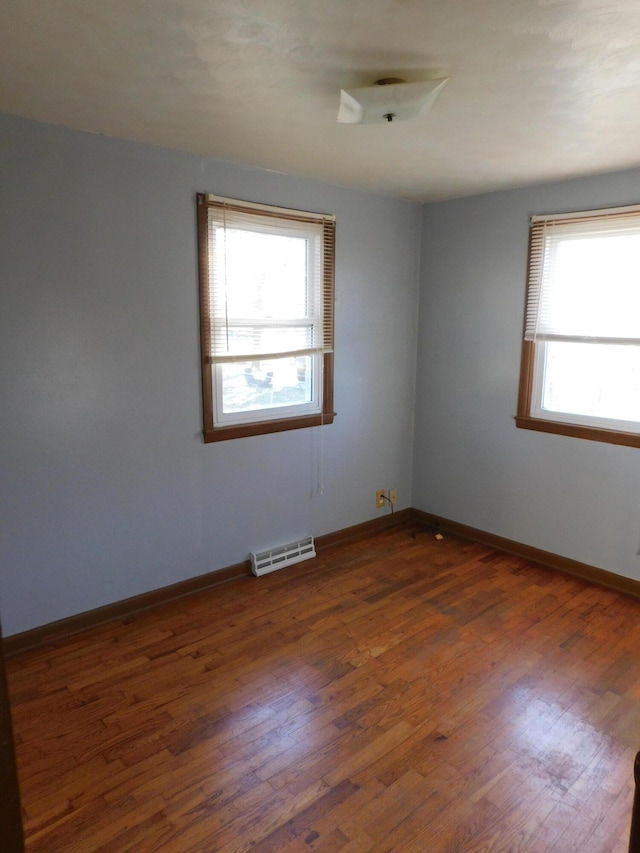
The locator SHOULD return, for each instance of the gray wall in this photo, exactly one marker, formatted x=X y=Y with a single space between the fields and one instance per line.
x=576 y=498
x=107 y=489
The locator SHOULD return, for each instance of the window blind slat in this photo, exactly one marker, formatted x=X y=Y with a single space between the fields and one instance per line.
x=264 y=356
x=231 y=224
x=584 y=278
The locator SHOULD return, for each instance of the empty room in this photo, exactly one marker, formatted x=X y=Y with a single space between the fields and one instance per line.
x=320 y=384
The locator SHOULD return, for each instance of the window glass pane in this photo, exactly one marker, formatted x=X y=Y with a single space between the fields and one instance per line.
x=265 y=275
x=595 y=289
x=600 y=380
x=265 y=384
x=266 y=294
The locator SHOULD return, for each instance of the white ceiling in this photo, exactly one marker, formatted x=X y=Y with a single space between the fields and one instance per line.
x=538 y=89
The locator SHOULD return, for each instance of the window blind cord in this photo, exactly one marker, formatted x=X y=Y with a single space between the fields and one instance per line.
x=320 y=472
x=226 y=289
x=317 y=489
x=536 y=332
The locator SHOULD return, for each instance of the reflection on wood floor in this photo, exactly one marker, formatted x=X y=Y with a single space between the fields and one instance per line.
x=394 y=694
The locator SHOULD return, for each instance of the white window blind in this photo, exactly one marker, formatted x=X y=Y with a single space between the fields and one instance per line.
x=270 y=287
x=584 y=277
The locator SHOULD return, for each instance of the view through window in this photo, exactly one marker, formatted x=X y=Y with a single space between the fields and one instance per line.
x=266 y=281
x=581 y=355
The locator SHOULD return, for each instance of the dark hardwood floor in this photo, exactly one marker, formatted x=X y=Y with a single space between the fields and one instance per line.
x=394 y=694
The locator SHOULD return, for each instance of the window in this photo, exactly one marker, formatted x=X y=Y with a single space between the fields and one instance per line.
x=580 y=371
x=266 y=317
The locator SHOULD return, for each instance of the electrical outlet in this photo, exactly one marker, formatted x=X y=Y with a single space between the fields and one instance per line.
x=380 y=498
x=393 y=496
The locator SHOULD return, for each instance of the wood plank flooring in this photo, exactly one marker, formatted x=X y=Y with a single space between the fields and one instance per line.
x=395 y=694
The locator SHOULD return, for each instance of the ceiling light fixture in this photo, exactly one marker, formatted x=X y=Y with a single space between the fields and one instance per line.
x=389 y=99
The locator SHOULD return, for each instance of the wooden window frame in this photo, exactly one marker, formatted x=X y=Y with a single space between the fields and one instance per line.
x=211 y=431
x=524 y=419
